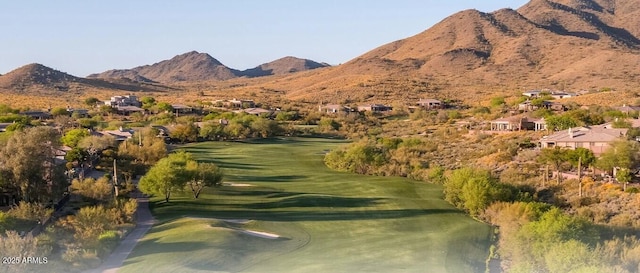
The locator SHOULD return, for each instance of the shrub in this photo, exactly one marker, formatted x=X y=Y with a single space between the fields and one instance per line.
x=31 y=211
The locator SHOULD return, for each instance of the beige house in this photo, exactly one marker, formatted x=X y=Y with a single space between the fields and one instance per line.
x=596 y=138
x=430 y=104
x=518 y=123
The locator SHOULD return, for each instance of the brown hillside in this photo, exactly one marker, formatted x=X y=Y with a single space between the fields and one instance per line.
x=39 y=80
x=564 y=44
x=190 y=66
x=283 y=66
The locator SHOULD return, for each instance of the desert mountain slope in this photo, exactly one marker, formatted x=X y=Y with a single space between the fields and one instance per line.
x=196 y=67
x=41 y=80
x=190 y=66
x=283 y=66
x=564 y=44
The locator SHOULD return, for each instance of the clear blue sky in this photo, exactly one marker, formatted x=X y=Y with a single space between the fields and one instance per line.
x=82 y=37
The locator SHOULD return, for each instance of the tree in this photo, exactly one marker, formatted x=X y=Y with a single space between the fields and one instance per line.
x=164 y=106
x=471 y=189
x=185 y=132
x=91 y=101
x=167 y=176
x=152 y=149
x=72 y=137
x=203 y=175
x=265 y=127
x=554 y=156
x=27 y=162
x=562 y=122
x=98 y=190
x=59 y=111
x=212 y=131
x=621 y=154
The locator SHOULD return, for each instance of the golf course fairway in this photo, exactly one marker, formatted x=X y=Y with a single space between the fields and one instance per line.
x=282 y=210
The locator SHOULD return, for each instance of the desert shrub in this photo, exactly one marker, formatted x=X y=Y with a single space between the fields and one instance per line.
x=97 y=190
x=81 y=258
x=31 y=211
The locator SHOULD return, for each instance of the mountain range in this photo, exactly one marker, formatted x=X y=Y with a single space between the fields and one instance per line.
x=562 y=44
x=194 y=66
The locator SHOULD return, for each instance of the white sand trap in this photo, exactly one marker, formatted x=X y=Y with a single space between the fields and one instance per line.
x=260 y=234
x=236 y=184
x=236 y=221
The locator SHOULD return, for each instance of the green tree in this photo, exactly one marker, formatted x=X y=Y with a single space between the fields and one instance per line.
x=265 y=127
x=72 y=137
x=212 y=131
x=203 y=175
x=59 y=111
x=621 y=154
x=27 y=161
x=167 y=176
x=185 y=132
x=165 y=106
x=471 y=189
x=561 y=122
x=91 y=101
x=554 y=156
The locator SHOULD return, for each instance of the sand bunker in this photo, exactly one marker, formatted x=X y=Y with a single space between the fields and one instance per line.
x=260 y=234
x=236 y=184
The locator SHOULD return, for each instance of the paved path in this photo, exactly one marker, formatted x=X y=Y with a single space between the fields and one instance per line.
x=144 y=222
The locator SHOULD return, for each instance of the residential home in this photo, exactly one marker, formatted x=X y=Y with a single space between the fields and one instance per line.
x=518 y=123
x=181 y=109
x=3 y=126
x=127 y=110
x=128 y=100
x=628 y=109
x=83 y=113
x=430 y=104
x=554 y=94
x=235 y=103
x=120 y=134
x=374 y=108
x=595 y=138
x=334 y=108
x=39 y=115
x=554 y=106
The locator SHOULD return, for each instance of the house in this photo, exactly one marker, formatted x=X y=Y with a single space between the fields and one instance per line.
x=529 y=106
x=3 y=126
x=181 y=109
x=518 y=123
x=430 y=104
x=39 y=115
x=83 y=113
x=374 y=108
x=628 y=109
x=127 y=110
x=120 y=134
x=334 y=108
x=235 y=103
x=595 y=138
x=128 y=100
x=554 y=94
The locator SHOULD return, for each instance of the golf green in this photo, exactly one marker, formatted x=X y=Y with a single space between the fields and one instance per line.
x=282 y=210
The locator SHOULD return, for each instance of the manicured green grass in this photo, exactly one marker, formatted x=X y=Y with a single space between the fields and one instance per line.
x=327 y=221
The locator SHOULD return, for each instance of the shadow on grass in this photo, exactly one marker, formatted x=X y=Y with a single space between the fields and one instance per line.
x=151 y=247
x=274 y=178
x=314 y=201
x=327 y=214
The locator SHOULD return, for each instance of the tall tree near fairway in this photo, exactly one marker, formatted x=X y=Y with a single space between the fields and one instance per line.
x=27 y=162
x=168 y=175
x=202 y=175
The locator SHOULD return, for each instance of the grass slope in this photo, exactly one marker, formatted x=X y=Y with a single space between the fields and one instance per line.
x=327 y=221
